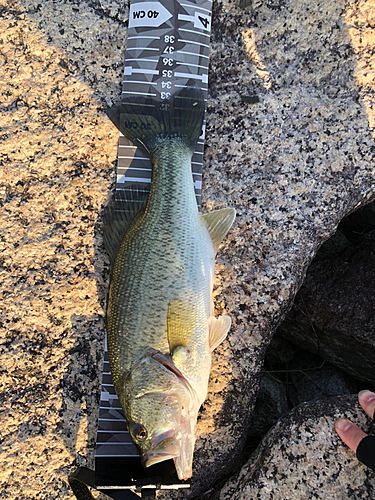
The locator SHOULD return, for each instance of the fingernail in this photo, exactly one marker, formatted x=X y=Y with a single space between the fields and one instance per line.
x=366 y=396
x=342 y=424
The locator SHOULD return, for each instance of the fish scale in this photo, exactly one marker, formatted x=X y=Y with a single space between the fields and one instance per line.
x=160 y=324
x=166 y=253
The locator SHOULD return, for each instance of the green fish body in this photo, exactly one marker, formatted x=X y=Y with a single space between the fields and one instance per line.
x=160 y=324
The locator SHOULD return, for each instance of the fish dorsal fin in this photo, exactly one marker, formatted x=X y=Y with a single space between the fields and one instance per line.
x=218 y=224
x=180 y=323
x=118 y=216
x=218 y=328
x=146 y=121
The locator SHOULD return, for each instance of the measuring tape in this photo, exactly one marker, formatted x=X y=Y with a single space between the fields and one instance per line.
x=167 y=49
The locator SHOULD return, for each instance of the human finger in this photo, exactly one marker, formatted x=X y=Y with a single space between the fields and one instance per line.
x=367 y=401
x=349 y=433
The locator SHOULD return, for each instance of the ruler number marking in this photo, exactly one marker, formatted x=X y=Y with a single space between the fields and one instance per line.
x=199 y=20
x=140 y=14
x=205 y=21
x=165 y=106
x=148 y=14
x=168 y=49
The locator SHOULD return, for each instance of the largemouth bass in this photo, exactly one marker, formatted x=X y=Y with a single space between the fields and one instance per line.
x=160 y=320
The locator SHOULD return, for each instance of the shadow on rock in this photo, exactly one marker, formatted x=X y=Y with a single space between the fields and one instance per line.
x=81 y=390
x=333 y=314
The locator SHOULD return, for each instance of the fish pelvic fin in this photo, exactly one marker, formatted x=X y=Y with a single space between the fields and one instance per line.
x=146 y=121
x=123 y=208
x=218 y=330
x=218 y=224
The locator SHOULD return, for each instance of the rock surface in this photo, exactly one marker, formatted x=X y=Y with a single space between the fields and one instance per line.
x=293 y=165
x=362 y=221
x=313 y=378
x=302 y=458
x=271 y=405
x=334 y=312
x=57 y=156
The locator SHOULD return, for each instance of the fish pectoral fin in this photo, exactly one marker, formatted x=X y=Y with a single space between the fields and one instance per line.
x=180 y=323
x=179 y=355
x=119 y=214
x=218 y=330
x=218 y=224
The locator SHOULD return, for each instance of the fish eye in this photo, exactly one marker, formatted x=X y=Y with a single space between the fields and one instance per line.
x=138 y=432
x=141 y=434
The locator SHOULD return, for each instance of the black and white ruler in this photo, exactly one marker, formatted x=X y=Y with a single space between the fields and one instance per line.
x=167 y=48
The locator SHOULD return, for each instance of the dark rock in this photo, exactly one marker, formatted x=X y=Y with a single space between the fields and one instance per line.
x=334 y=311
x=280 y=352
x=312 y=378
x=271 y=405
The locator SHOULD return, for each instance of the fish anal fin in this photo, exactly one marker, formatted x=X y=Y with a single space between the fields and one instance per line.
x=218 y=224
x=118 y=216
x=218 y=330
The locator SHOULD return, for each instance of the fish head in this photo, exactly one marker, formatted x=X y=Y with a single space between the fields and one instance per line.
x=161 y=409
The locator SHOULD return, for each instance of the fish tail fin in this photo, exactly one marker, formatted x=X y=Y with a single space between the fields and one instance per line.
x=146 y=121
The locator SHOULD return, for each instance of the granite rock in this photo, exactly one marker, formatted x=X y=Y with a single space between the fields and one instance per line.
x=302 y=457
x=333 y=314
x=290 y=165
x=362 y=221
x=280 y=352
x=312 y=378
x=271 y=405
x=293 y=164
x=57 y=157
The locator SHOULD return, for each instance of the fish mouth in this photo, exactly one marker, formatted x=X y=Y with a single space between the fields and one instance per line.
x=163 y=447
x=177 y=444
x=183 y=457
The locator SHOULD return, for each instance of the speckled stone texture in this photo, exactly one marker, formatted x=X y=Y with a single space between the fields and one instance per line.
x=302 y=458
x=334 y=311
x=292 y=165
x=57 y=68
x=271 y=405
